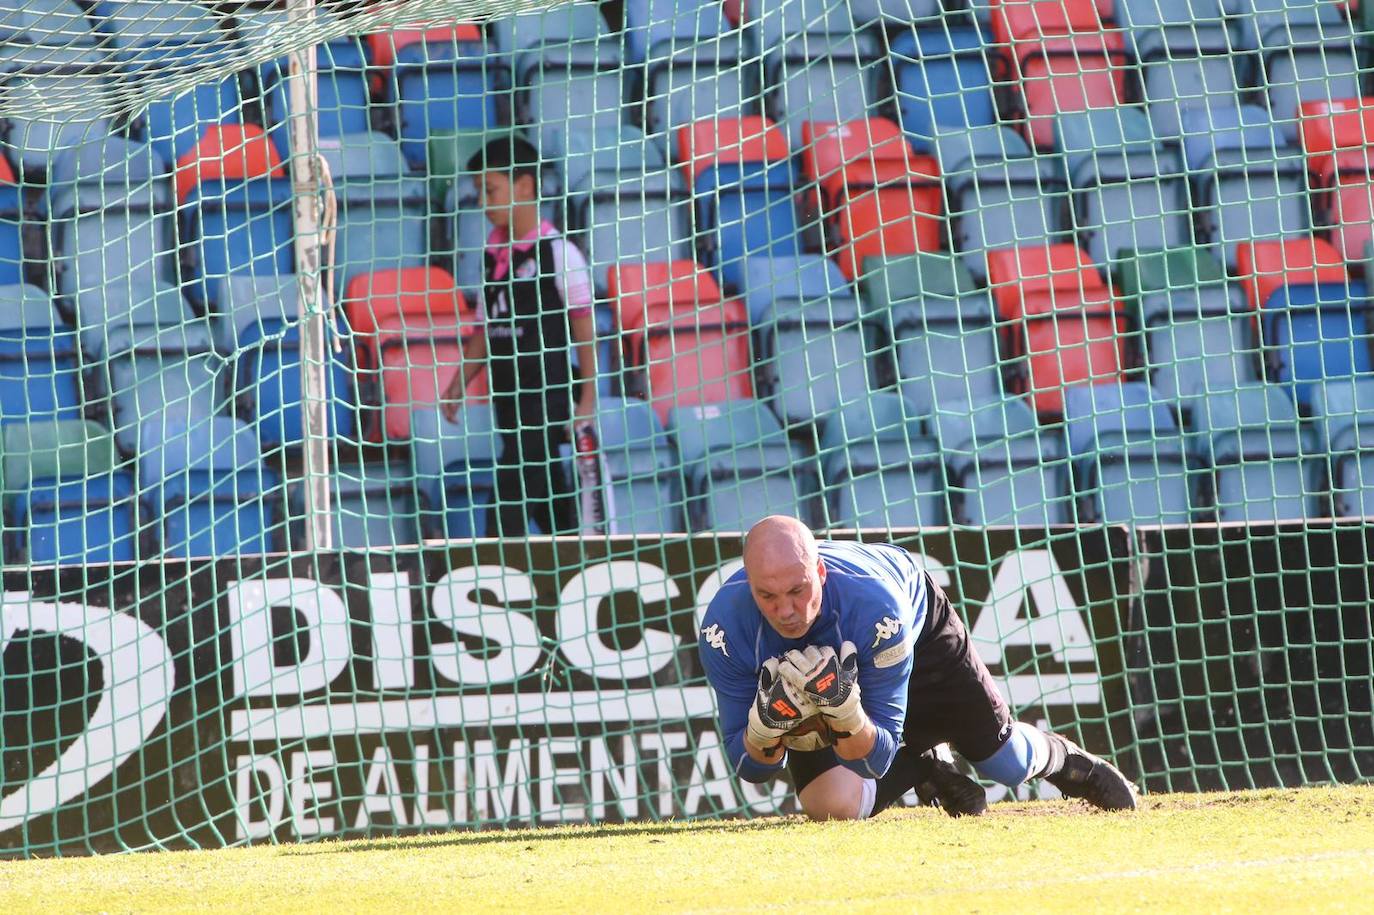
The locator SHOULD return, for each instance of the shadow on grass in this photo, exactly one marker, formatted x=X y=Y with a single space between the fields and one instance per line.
x=530 y=836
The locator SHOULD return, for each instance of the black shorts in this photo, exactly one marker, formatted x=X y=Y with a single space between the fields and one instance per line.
x=951 y=697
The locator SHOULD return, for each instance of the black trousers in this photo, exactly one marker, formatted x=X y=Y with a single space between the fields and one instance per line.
x=951 y=697
x=531 y=481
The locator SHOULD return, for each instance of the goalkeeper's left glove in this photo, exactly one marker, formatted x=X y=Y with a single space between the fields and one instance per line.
x=830 y=682
x=777 y=710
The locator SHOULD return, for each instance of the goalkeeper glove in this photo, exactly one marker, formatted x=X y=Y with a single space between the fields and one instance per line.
x=777 y=710
x=830 y=682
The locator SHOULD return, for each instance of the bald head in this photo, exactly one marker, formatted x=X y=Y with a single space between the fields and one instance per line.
x=785 y=573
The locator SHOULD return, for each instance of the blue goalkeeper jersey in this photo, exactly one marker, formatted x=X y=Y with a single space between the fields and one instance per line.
x=874 y=596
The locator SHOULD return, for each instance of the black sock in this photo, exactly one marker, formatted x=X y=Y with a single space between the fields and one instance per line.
x=907 y=770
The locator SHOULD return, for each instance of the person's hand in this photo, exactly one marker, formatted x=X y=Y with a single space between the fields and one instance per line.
x=452 y=399
x=584 y=412
x=777 y=710
x=830 y=682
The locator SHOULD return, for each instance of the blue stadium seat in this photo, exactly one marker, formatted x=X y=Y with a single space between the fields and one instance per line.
x=455 y=469
x=1262 y=458
x=1251 y=183
x=738 y=465
x=374 y=506
x=881 y=466
x=66 y=501
x=44 y=33
x=815 y=340
x=235 y=225
x=204 y=481
x=154 y=24
x=1129 y=189
x=691 y=60
x=942 y=81
x=383 y=222
x=1185 y=52
x=441 y=86
x=34 y=140
x=998 y=193
x=1198 y=334
x=112 y=232
x=634 y=218
x=566 y=66
x=591 y=158
x=1303 y=50
x=640 y=465
x=156 y=370
x=267 y=384
x=1343 y=411
x=12 y=220
x=896 y=13
x=1130 y=463
x=245 y=300
x=743 y=194
x=39 y=377
x=816 y=67
x=344 y=107
x=941 y=329
x=1004 y=468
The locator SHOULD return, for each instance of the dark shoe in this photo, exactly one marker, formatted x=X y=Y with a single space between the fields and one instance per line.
x=941 y=782
x=1093 y=779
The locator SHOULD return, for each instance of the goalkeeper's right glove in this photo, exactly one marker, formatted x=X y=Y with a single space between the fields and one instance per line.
x=777 y=710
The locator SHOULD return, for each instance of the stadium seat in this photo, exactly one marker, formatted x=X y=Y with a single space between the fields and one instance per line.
x=203 y=480
x=592 y=158
x=1185 y=51
x=1064 y=319
x=174 y=126
x=893 y=13
x=631 y=218
x=883 y=199
x=382 y=219
x=344 y=106
x=244 y=300
x=943 y=83
x=1304 y=50
x=39 y=378
x=814 y=340
x=1004 y=468
x=1338 y=137
x=931 y=311
x=440 y=79
x=743 y=185
x=1129 y=458
x=998 y=193
x=12 y=220
x=695 y=65
x=34 y=134
x=1198 y=334
x=1313 y=320
x=1250 y=182
x=1061 y=59
x=44 y=33
x=692 y=345
x=267 y=384
x=640 y=465
x=111 y=229
x=1261 y=456
x=156 y=29
x=880 y=465
x=66 y=500
x=410 y=324
x=236 y=216
x=816 y=66
x=1129 y=189
x=738 y=465
x=374 y=505
x=455 y=469
x=566 y=67
x=1343 y=411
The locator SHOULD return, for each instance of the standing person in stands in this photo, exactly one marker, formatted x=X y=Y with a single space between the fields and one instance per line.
x=536 y=307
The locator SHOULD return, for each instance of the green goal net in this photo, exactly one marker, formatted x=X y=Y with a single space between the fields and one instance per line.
x=383 y=394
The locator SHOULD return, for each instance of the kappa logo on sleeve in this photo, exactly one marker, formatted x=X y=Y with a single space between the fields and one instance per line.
x=885 y=629
x=715 y=637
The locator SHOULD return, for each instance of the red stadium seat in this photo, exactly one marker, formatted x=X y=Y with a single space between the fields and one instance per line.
x=1064 y=319
x=7 y=172
x=693 y=346
x=1338 y=137
x=1264 y=266
x=412 y=323
x=1061 y=58
x=725 y=141
x=883 y=198
x=228 y=151
x=383 y=45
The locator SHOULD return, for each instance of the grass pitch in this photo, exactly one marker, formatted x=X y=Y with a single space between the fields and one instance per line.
x=1266 y=851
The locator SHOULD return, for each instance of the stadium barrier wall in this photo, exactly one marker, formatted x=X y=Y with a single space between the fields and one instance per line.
x=473 y=685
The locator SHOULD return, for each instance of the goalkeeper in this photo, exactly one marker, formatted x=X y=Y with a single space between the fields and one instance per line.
x=846 y=664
